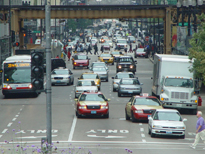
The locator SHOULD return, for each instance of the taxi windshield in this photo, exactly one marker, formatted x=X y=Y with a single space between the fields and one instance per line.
x=147 y=101
x=105 y=55
x=100 y=69
x=89 y=76
x=86 y=83
x=170 y=116
x=116 y=53
x=92 y=97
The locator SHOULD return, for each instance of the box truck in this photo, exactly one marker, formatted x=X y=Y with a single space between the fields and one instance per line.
x=173 y=83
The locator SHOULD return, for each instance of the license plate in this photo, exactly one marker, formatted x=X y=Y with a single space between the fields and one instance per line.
x=81 y=65
x=93 y=112
x=58 y=81
x=168 y=132
x=130 y=92
x=179 y=105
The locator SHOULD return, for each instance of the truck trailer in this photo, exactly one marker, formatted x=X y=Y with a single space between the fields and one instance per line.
x=173 y=83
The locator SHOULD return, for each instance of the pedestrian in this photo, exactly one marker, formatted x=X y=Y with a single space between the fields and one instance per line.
x=96 y=49
x=89 y=49
x=130 y=47
x=102 y=48
x=57 y=56
x=200 y=130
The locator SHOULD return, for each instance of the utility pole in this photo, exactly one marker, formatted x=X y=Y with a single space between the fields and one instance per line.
x=48 y=73
x=10 y=28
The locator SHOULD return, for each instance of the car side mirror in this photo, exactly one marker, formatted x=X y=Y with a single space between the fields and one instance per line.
x=184 y=120
x=151 y=77
x=149 y=118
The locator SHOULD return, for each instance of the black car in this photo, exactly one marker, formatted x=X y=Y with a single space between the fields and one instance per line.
x=126 y=63
x=55 y=63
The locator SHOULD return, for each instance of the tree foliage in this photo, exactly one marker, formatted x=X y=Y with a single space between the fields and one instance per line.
x=78 y=23
x=197 y=51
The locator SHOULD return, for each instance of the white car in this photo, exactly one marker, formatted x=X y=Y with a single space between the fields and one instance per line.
x=85 y=86
x=62 y=76
x=166 y=122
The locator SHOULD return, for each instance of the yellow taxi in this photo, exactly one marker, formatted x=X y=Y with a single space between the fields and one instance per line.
x=140 y=107
x=116 y=54
x=107 y=58
x=93 y=76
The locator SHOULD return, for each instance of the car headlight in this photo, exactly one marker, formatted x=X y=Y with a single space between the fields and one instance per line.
x=104 y=107
x=97 y=83
x=138 y=111
x=131 y=66
x=82 y=107
x=119 y=66
x=157 y=126
x=75 y=63
x=194 y=101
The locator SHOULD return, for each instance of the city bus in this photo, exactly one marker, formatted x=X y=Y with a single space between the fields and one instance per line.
x=16 y=76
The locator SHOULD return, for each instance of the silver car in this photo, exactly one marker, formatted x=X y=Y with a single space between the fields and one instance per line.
x=85 y=86
x=118 y=77
x=129 y=86
x=98 y=64
x=62 y=76
x=101 y=71
x=166 y=122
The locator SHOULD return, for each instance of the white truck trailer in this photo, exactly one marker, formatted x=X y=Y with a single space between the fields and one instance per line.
x=173 y=83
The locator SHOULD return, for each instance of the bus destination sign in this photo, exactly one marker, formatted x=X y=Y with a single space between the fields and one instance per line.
x=11 y=65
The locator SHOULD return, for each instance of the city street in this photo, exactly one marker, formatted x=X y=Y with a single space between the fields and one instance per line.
x=23 y=119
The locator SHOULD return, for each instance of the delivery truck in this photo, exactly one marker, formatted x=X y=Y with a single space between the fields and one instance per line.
x=173 y=83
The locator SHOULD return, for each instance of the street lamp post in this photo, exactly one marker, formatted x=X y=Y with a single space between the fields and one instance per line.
x=188 y=7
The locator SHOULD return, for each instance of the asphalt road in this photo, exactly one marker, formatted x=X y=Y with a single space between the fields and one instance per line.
x=23 y=120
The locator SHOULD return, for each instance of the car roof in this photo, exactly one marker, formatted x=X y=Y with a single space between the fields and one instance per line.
x=92 y=92
x=124 y=73
x=61 y=68
x=129 y=79
x=128 y=56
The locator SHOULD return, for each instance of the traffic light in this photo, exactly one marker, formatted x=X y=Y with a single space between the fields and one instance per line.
x=24 y=34
x=13 y=37
x=16 y=44
x=37 y=72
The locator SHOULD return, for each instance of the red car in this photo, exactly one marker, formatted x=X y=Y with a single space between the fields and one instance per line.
x=92 y=103
x=141 y=107
x=80 y=60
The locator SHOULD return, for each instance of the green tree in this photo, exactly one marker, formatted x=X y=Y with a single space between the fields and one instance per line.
x=197 y=51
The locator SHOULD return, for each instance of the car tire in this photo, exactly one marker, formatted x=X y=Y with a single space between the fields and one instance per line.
x=133 y=118
x=113 y=63
x=182 y=137
x=149 y=131
x=107 y=80
x=126 y=116
x=77 y=115
x=106 y=116
x=119 y=94
x=152 y=134
x=73 y=67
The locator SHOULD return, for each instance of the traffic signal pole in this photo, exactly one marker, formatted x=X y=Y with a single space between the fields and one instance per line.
x=48 y=74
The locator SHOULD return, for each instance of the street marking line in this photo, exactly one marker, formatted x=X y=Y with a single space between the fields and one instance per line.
x=4 y=131
x=142 y=129
x=122 y=119
x=106 y=136
x=140 y=124
x=14 y=119
x=1 y=136
x=9 y=124
x=143 y=135
x=72 y=129
x=17 y=115
x=143 y=140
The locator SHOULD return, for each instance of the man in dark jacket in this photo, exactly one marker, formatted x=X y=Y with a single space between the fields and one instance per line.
x=96 y=49
x=102 y=48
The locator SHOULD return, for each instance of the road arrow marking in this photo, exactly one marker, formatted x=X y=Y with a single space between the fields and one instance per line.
x=33 y=137
x=106 y=136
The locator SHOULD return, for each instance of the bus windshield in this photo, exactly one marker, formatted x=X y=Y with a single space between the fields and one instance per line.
x=17 y=75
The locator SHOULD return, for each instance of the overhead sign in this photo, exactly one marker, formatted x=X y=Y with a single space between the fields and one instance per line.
x=30 y=23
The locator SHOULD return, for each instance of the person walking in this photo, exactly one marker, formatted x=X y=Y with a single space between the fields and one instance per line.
x=96 y=49
x=130 y=47
x=102 y=48
x=200 y=130
x=89 y=49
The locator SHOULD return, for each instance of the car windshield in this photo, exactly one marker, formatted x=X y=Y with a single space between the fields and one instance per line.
x=147 y=101
x=116 y=53
x=105 y=55
x=129 y=82
x=126 y=60
x=131 y=38
x=100 y=69
x=80 y=57
x=140 y=50
x=89 y=76
x=120 y=76
x=92 y=97
x=60 y=72
x=99 y=64
x=86 y=83
x=121 y=41
x=176 y=82
x=170 y=116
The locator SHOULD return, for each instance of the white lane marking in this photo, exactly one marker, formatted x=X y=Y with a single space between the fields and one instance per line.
x=106 y=136
x=142 y=129
x=190 y=139
x=1 y=136
x=143 y=135
x=17 y=115
x=140 y=124
x=4 y=131
x=72 y=129
x=143 y=140
x=21 y=109
x=9 y=124
x=18 y=112
x=14 y=119
x=122 y=119
x=34 y=137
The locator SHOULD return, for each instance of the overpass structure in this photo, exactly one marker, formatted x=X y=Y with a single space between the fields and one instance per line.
x=167 y=12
